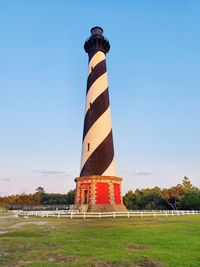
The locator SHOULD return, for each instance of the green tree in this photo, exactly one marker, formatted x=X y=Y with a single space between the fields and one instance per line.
x=70 y=197
x=172 y=196
x=149 y=198
x=187 y=185
x=40 y=190
x=191 y=201
x=128 y=200
x=58 y=199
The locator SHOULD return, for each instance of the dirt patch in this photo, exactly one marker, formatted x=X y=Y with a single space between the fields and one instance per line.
x=2 y=254
x=17 y=225
x=104 y=264
x=60 y=258
x=22 y=262
x=8 y=215
x=136 y=246
x=3 y=232
x=116 y=264
x=149 y=263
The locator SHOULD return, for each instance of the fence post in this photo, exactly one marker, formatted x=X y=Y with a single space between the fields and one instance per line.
x=166 y=214
x=84 y=215
x=71 y=215
x=128 y=214
x=154 y=214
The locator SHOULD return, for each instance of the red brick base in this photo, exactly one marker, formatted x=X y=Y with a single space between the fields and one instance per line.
x=99 y=193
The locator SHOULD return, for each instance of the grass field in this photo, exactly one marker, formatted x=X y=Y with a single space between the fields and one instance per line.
x=154 y=242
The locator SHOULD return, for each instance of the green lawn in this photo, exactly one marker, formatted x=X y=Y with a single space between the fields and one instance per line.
x=172 y=241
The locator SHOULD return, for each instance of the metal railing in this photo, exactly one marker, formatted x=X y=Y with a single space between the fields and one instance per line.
x=76 y=214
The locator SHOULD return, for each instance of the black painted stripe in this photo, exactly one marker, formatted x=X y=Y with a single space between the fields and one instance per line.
x=97 y=71
x=97 y=108
x=100 y=159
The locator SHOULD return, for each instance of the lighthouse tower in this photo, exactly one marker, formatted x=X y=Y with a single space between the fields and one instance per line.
x=98 y=188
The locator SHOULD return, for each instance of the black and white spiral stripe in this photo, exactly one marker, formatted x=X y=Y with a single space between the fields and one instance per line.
x=97 y=147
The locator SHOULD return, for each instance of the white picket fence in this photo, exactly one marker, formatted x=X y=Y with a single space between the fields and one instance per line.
x=76 y=214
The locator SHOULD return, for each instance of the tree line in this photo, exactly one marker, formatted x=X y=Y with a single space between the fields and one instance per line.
x=38 y=198
x=180 y=197
x=183 y=196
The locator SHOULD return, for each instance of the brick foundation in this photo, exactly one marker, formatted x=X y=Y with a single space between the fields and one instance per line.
x=99 y=194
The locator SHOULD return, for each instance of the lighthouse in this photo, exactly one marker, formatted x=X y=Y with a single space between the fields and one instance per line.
x=98 y=188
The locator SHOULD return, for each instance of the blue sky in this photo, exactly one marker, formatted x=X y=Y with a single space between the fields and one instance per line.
x=154 y=83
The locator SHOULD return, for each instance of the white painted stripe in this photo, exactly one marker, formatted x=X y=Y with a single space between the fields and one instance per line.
x=111 y=170
x=97 y=133
x=98 y=57
x=98 y=87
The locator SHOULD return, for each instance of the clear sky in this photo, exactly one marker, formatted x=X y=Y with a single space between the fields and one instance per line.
x=154 y=83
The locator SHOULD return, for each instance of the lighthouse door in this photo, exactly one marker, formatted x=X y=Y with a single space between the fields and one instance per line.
x=85 y=196
x=85 y=199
